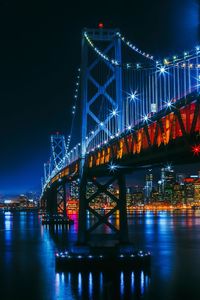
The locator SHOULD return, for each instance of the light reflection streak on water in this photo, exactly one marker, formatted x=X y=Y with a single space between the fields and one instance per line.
x=132 y=282
x=101 y=282
x=22 y=224
x=66 y=288
x=57 y=283
x=142 y=282
x=122 y=284
x=90 y=283
x=80 y=284
x=60 y=287
x=69 y=278
x=8 y=224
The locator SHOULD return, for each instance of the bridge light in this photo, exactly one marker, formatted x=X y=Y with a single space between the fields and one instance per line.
x=196 y=150
x=129 y=127
x=198 y=48
x=145 y=118
x=101 y=25
x=162 y=70
x=114 y=112
x=174 y=57
x=101 y=123
x=185 y=53
x=112 y=167
x=132 y=96
x=169 y=104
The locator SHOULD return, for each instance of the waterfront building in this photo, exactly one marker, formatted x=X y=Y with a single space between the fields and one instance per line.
x=178 y=194
x=189 y=190
x=197 y=190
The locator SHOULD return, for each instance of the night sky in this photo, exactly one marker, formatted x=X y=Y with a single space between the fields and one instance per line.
x=40 y=46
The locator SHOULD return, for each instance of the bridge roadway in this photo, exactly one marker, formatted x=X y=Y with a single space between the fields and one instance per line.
x=170 y=135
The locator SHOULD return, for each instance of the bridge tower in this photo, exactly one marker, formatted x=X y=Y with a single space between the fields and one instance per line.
x=98 y=92
x=56 y=199
x=95 y=91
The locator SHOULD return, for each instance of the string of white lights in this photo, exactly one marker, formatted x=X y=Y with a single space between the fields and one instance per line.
x=171 y=61
x=179 y=60
x=112 y=61
x=134 y=48
x=74 y=107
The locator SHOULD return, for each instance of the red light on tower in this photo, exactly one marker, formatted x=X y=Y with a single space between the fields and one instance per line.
x=196 y=150
x=100 y=25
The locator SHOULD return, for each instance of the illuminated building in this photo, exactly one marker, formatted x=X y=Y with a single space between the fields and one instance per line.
x=180 y=178
x=74 y=189
x=129 y=196
x=189 y=189
x=148 y=185
x=137 y=195
x=166 y=183
x=178 y=194
x=197 y=190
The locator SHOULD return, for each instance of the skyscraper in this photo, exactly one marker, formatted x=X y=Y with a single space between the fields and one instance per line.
x=148 y=184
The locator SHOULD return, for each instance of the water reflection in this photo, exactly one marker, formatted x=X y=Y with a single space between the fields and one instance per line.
x=102 y=285
x=29 y=248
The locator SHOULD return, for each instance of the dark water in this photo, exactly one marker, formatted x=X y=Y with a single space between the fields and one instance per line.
x=27 y=266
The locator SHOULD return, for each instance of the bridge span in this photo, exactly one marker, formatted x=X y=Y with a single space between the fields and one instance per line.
x=133 y=114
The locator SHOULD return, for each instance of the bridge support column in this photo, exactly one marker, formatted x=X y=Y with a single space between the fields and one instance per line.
x=52 y=202
x=82 y=239
x=123 y=230
x=61 y=199
x=84 y=233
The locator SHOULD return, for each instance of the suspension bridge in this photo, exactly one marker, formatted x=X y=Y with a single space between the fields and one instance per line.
x=133 y=111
